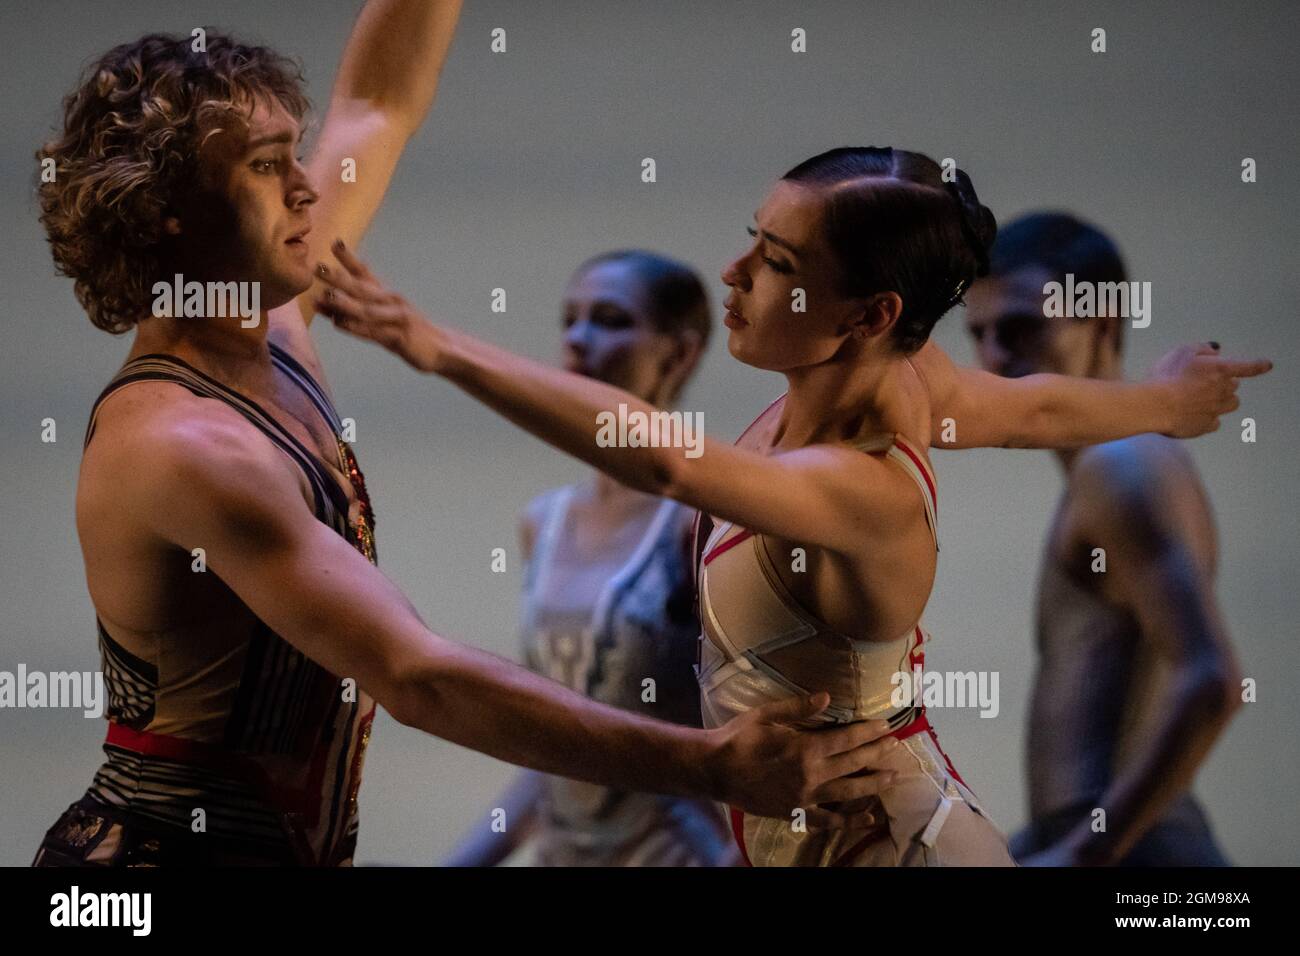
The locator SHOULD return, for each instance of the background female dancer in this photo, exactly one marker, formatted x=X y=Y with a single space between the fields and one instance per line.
x=608 y=590
x=824 y=556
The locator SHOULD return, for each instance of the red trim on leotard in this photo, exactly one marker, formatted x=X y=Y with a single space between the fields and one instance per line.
x=727 y=545
x=919 y=725
x=916 y=460
x=738 y=831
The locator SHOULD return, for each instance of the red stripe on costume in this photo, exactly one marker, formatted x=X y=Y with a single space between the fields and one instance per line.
x=738 y=831
x=727 y=545
x=917 y=460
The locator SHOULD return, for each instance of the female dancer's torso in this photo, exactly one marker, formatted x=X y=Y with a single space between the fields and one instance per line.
x=761 y=643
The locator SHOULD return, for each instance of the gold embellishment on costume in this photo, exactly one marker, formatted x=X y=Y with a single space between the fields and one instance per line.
x=356 y=784
x=78 y=833
x=364 y=528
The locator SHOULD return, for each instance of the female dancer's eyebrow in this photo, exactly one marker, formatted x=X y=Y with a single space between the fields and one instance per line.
x=777 y=240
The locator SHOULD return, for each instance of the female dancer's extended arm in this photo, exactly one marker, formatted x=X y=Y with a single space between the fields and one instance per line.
x=1187 y=392
x=824 y=495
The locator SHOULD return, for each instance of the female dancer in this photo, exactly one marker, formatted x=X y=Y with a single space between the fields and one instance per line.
x=825 y=551
x=608 y=591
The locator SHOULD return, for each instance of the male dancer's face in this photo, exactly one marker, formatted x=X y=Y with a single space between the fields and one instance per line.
x=1012 y=337
x=248 y=217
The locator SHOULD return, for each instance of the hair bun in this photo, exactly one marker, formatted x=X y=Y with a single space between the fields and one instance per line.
x=977 y=222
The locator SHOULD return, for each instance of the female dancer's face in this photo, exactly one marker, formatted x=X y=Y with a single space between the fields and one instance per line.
x=788 y=255
x=609 y=336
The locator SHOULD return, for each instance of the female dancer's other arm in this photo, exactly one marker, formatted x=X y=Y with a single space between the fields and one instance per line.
x=1188 y=390
x=823 y=495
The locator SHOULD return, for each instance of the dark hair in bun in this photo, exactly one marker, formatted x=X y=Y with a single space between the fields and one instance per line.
x=895 y=225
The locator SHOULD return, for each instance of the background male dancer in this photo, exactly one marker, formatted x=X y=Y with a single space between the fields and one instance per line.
x=239 y=674
x=1136 y=675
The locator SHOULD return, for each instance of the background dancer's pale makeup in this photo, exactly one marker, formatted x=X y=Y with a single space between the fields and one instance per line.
x=531 y=161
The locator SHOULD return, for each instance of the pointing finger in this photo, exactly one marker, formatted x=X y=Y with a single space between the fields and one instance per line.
x=350 y=262
x=1246 y=368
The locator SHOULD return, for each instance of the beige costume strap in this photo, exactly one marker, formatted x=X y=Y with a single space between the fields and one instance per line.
x=909 y=458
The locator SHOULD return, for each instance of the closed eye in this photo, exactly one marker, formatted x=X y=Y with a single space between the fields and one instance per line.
x=773 y=263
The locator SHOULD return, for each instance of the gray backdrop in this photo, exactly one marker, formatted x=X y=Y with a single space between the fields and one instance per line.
x=530 y=162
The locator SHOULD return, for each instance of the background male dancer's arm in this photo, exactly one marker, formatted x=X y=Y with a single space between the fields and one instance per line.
x=386 y=83
x=232 y=492
x=1061 y=411
x=1141 y=501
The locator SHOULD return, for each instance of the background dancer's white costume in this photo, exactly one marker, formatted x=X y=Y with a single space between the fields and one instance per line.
x=639 y=627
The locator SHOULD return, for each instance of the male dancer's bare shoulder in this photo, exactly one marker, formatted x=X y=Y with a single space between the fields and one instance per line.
x=1141 y=500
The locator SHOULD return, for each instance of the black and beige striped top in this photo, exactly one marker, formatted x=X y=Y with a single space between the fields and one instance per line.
x=267 y=742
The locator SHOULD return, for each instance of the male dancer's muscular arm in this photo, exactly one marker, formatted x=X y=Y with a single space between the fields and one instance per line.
x=386 y=83
x=1139 y=502
x=1060 y=411
x=230 y=491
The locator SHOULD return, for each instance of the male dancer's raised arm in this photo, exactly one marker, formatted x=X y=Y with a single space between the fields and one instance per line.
x=385 y=85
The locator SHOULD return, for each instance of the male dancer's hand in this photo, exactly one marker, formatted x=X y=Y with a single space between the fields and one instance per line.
x=1202 y=386
x=768 y=768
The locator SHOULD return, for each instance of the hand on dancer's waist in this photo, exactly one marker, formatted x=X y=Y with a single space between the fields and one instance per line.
x=358 y=302
x=1202 y=386
x=768 y=768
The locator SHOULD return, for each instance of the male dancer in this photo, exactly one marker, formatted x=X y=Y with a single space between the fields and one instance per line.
x=225 y=526
x=1136 y=677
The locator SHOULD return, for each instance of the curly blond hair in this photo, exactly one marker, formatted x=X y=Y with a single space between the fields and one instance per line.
x=131 y=134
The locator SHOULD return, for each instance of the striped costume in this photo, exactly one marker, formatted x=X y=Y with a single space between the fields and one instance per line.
x=265 y=742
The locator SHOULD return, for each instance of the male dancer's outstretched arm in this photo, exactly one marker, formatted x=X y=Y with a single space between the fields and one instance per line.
x=232 y=492
x=1140 y=502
